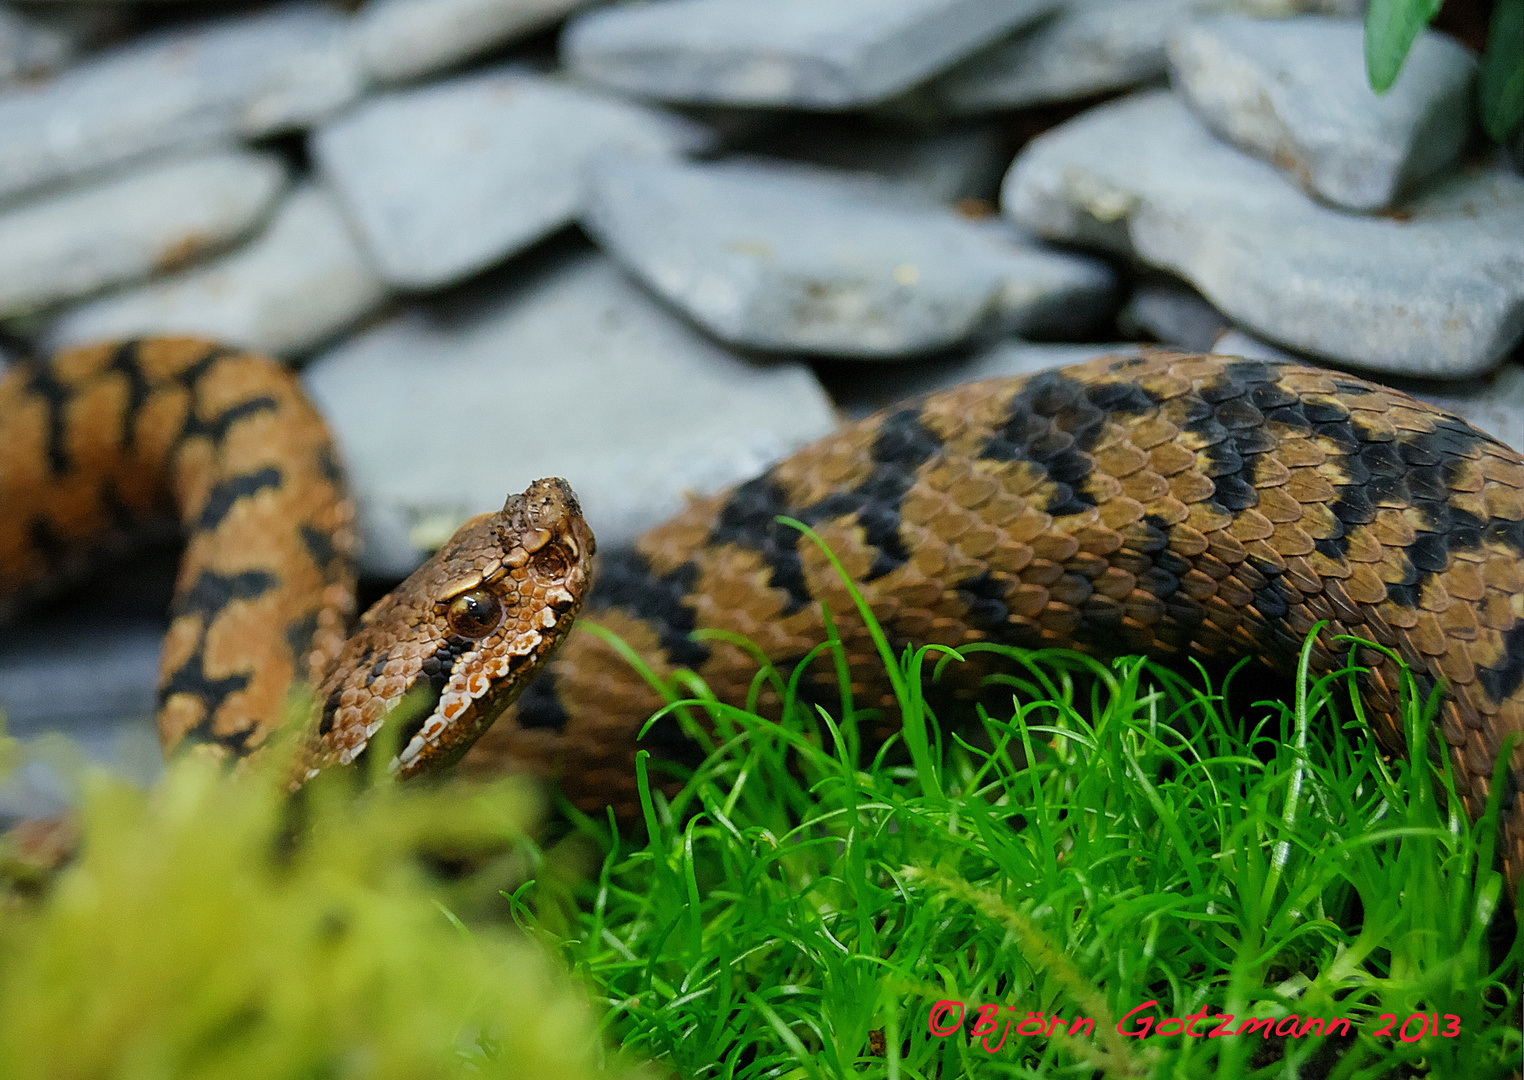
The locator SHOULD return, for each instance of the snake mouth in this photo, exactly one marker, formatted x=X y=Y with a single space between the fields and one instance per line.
x=418 y=704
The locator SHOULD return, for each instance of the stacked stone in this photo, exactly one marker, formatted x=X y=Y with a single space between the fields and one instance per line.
x=634 y=245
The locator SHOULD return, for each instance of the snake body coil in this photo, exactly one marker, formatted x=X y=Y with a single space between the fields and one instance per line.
x=1171 y=504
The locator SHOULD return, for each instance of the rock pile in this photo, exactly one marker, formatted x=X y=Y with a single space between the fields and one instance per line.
x=652 y=246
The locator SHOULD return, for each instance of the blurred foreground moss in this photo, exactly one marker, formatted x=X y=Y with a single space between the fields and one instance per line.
x=212 y=928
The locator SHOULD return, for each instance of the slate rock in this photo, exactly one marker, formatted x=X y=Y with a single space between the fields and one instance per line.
x=1295 y=92
x=29 y=49
x=1172 y=314
x=781 y=257
x=1436 y=291
x=949 y=165
x=246 y=76
x=401 y=40
x=303 y=279
x=159 y=217
x=452 y=177
x=795 y=53
x=572 y=371
x=1087 y=47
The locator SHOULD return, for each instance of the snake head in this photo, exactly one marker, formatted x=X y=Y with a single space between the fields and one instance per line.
x=458 y=641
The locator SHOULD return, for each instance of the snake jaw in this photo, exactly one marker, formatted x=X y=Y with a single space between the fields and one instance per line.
x=467 y=632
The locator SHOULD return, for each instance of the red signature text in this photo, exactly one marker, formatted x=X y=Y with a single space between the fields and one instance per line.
x=993 y=1024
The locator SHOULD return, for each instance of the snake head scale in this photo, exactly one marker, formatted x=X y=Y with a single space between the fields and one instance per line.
x=460 y=639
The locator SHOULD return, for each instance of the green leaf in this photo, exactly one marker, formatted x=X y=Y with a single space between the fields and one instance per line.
x=1500 y=85
x=1390 y=29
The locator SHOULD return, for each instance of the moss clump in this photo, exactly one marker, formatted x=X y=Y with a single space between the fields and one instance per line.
x=212 y=928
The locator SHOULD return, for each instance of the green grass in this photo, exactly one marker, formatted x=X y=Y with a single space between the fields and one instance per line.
x=801 y=905
x=793 y=912
x=210 y=929
x=1391 y=26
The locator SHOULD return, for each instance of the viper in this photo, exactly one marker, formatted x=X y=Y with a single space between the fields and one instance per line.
x=1168 y=504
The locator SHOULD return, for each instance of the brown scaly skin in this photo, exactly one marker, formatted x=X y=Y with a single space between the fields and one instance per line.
x=1173 y=505
x=469 y=630
x=105 y=441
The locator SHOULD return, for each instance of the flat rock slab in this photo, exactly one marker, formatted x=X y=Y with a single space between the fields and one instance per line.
x=797 y=53
x=1437 y=291
x=28 y=49
x=1172 y=314
x=296 y=284
x=1088 y=47
x=401 y=40
x=956 y=163
x=155 y=218
x=789 y=258
x=574 y=372
x=453 y=177
x=1294 y=92
x=247 y=76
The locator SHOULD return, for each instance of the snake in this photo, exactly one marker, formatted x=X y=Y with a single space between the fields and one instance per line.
x=1181 y=506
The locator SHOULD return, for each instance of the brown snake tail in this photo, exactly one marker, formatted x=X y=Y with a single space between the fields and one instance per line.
x=1171 y=504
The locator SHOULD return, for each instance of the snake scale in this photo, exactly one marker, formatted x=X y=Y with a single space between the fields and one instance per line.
x=1176 y=505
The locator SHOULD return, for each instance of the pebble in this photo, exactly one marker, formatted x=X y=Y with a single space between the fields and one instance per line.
x=1294 y=92
x=569 y=371
x=1494 y=403
x=246 y=76
x=785 y=257
x=1087 y=47
x=792 y=53
x=28 y=49
x=73 y=242
x=1172 y=314
x=401 y=40
x=448 y=179
x=1436 y=291
x=299 y=282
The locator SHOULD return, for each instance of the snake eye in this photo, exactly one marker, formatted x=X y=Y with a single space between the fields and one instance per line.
x=474 y=614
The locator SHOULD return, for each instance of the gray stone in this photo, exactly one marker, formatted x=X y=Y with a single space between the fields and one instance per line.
x=28 y=49
x=799 y=53
x=299 y=282
x=160 y=217
x=1494 y=403
x=93 y=677
x=1172 y=314
x=447 y=179
x=1088 y=47
x=403 y=39
x=246 y=76
x=1295 y=92
x=951 y=165
x=573 y=372
x=1238 y=343
x=783 y=257
x=1438 y=291
x=884 y=385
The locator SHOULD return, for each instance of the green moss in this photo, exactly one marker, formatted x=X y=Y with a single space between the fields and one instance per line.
x=210 y=928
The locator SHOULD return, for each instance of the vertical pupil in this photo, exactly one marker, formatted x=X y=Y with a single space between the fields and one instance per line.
x=474 y=613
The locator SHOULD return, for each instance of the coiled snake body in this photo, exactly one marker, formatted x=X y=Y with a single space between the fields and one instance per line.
x=1178 y=505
